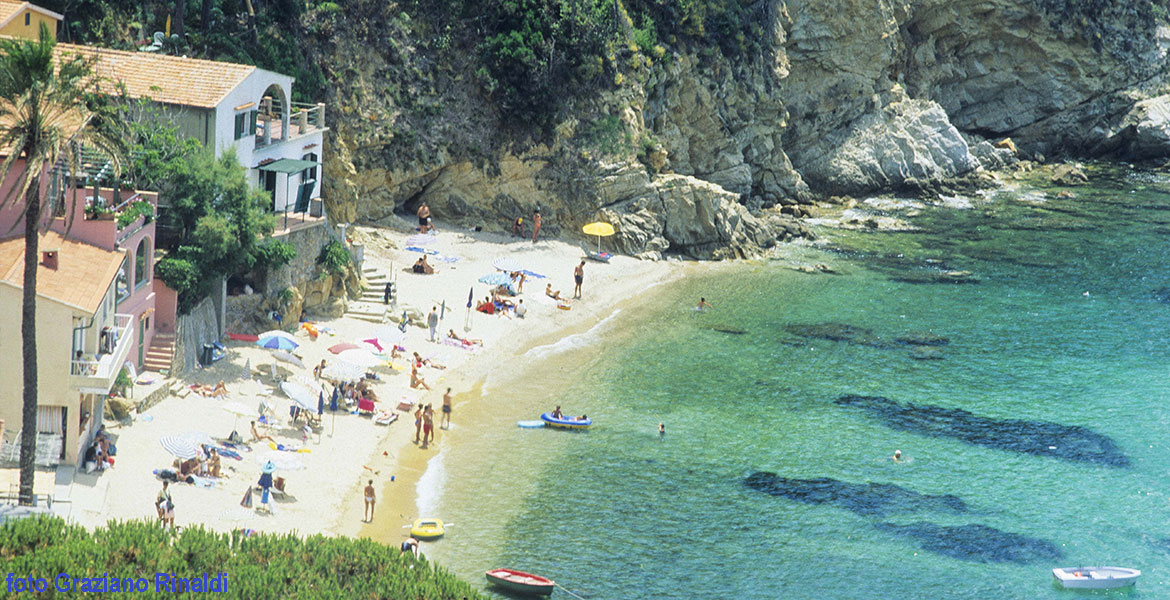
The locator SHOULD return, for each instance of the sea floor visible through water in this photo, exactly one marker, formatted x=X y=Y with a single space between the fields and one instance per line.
x=1029 y=402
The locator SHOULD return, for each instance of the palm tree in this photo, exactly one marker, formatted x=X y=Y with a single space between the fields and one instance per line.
x=49 y=106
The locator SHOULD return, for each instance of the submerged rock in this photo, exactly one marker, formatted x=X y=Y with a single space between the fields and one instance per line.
x=978 y=543
x=868 y=499
x=926 y=353
x=1069 y=174
x=838 y=332
x=1040 y=438
x=922 y=338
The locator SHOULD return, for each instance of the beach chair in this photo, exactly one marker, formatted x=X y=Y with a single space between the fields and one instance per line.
x=597 y=256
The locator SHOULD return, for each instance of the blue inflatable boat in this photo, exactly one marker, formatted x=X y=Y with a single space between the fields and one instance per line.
x=566 y=422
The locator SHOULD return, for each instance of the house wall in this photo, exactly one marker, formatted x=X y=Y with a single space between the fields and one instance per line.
x=295 y=148
x=54 y=324
x=250 y=90
x=17 y=28
x=197 y=123
x=166 y=308
x=11 y=221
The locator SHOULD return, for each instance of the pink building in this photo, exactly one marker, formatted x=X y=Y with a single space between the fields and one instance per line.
x=119 y=221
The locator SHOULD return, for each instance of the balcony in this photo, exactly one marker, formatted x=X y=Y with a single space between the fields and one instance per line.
x=305 y=119
x=97 y=376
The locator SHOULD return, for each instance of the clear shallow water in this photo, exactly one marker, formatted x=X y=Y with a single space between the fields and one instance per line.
x=617 y=512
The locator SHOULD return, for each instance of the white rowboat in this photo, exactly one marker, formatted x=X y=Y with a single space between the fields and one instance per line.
x=1095 y=577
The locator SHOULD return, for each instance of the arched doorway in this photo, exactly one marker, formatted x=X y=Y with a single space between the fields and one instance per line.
x=272 y=118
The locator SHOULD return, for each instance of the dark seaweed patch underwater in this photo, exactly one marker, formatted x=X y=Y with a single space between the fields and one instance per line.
x=978 y=543
x=867 y=499
x=1041 y=438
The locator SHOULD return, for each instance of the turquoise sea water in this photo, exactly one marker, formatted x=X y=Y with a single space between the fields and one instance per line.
x=1060 y=458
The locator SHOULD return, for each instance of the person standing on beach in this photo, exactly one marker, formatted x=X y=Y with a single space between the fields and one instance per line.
x=447 y=409
x=433 y=321
x=428 y=426
x=535 y=224
x=424 y=215
x=418 y=415
x=370 y=499
x=578 y=277
x=166 y=508
x=386 y=293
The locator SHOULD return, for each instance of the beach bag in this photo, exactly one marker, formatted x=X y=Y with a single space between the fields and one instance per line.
x=246 y=502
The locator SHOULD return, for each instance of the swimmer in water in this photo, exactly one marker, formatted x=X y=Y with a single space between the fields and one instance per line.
x=661 y=429
x=897 y=456
x=704 y=304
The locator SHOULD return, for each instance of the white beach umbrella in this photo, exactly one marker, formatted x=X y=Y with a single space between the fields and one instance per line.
x=284 y=461
x=277 y=333
x=339 y=370
x=361 y=358
x=237 y=514
x=507 y=263
x=179 y=446
x=389 y=334
x=199 y=437
x=288 y=358
x=303 y=396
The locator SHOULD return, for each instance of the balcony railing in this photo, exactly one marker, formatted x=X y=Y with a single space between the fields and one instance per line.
x=304 y=118
x=97 y=376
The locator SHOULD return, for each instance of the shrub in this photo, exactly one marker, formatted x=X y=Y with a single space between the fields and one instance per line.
x=141 y=208
x=334 y=257
x=257 y=566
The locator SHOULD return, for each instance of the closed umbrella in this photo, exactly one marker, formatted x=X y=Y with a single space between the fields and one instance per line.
x=288 y=358
x=275 y=342
x=507 y=263
x=342 y=347
x=247 y=369
x=179 y=446
x=599 y=229
x=320 y=404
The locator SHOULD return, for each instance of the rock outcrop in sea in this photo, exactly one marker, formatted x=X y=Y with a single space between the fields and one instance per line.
x=713 y=156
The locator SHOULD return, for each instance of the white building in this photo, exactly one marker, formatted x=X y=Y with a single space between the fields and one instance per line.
x=227 y=105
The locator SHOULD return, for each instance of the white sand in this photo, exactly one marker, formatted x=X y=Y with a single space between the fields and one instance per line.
x=325 y=496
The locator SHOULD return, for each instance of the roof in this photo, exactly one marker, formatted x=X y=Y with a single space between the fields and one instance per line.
x=9 y=9
x=83 y=275
x=288 y=165
x=164 y=78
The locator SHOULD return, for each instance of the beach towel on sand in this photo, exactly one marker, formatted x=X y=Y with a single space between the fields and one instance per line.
x=422 y=250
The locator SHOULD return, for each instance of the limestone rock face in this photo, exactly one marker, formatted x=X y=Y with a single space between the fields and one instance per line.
x=906 y=144
x=1145 y=129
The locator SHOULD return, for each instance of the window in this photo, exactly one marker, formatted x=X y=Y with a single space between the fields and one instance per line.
x=142 y=263
x=311 y=172
x=27 y=18
x=123 y=282
x=241 y=125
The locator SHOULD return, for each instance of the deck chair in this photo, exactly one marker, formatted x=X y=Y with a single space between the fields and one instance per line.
x=597 y=256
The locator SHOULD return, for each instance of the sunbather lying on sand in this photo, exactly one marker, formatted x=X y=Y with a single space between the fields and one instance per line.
x=548 y=291
x=465 y=341
x=420 y=361
x=207 y=391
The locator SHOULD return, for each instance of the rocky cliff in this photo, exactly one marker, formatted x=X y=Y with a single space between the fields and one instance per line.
x=711 y=153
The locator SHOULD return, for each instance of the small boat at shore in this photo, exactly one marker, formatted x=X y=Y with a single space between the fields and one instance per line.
x=566 y=422
x=427 y=529
x=520 y=582
x=1095 y=578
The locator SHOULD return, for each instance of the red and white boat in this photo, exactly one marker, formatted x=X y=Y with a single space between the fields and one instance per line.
x=521 y=582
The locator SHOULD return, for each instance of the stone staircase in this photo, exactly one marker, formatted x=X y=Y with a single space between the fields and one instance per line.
x=369 y=307
x=160 y=353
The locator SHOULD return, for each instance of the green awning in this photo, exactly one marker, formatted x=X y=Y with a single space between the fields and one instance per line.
x=288 y=165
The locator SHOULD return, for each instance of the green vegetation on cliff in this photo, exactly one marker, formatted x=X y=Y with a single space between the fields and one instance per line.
x=257 y=567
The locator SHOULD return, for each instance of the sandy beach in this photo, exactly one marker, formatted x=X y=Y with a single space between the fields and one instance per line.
x=347 y=450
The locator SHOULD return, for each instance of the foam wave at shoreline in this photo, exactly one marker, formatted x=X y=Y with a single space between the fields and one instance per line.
x=577 y=340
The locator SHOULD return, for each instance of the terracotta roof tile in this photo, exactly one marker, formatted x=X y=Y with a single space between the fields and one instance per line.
x=82 y=277
x=8 y=8
x=164 y=78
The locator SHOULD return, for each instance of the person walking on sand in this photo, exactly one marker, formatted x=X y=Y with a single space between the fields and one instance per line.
x=535 y=224
x=418 y=415
x=447 y=409
x=578 y=277
x=424 y=215
x=371 y=498
x=433 y=321
x=386 y=292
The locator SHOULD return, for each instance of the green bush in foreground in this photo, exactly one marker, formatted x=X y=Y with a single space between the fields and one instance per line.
x=257 y=567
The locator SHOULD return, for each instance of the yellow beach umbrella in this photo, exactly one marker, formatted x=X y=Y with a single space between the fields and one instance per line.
x=598 y=229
